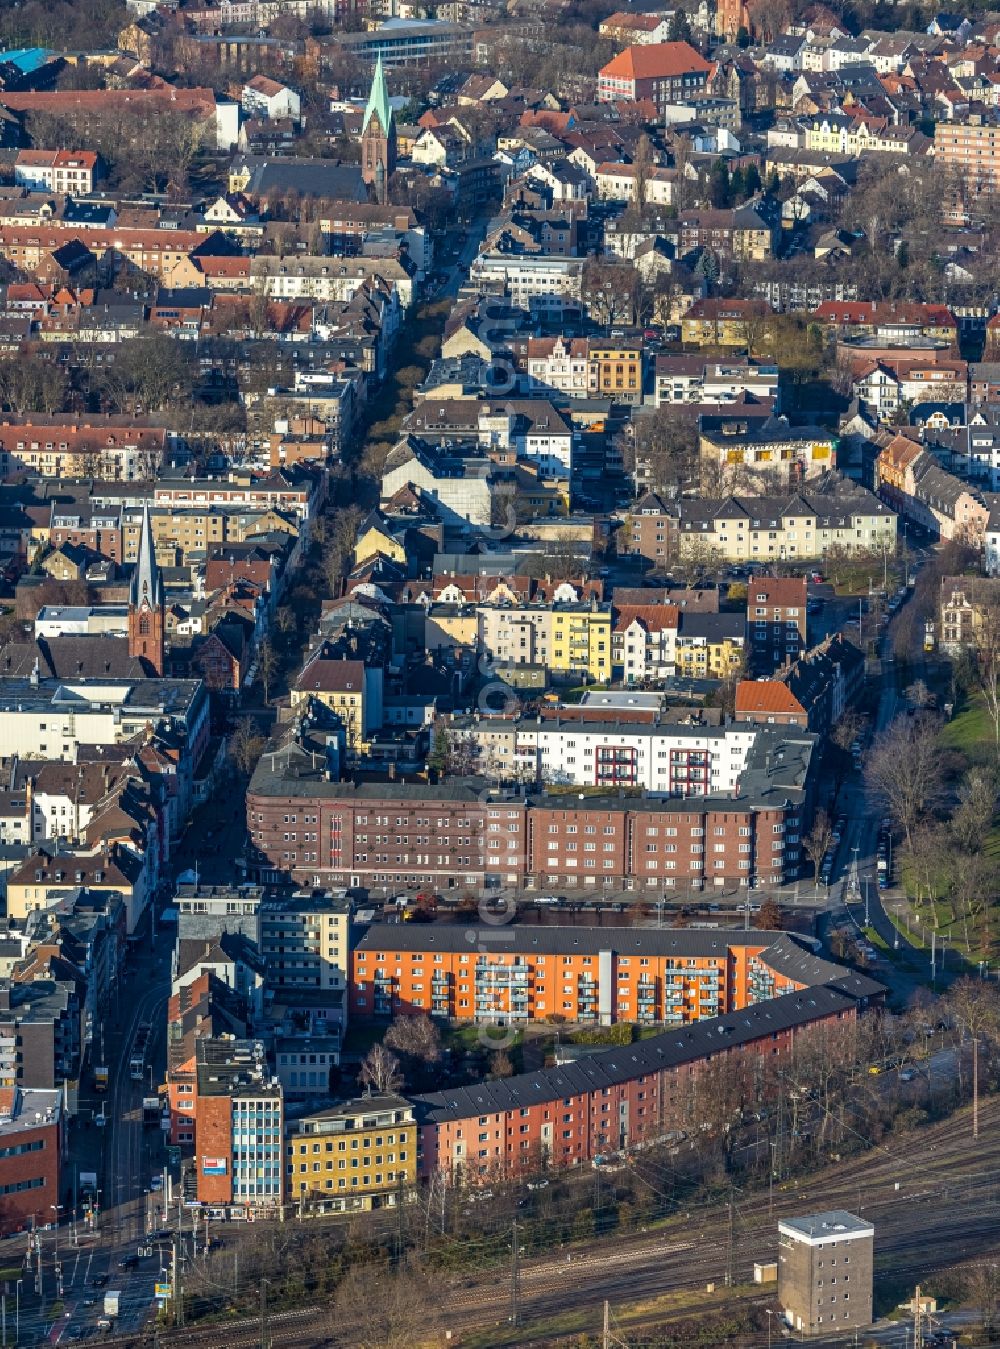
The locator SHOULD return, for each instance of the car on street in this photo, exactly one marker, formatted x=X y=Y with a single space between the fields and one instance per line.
x=99 y=1281
x=128 y=1262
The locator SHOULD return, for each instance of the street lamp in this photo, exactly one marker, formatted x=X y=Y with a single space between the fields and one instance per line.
x=57 y=1208
x=770 y=1313
x=17 y=1312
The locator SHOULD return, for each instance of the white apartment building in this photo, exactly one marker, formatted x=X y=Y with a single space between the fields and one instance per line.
x=689 y=379
x=539 y=282
x=645 y=646
x=672 y=760
x=325 y=279
x=62 y=171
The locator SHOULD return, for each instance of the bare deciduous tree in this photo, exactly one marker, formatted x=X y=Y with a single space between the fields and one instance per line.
x=817 y=841
x=383 y=1309
x=245 y=744
x=416 y=1036
x=380 y=1071
x=267 y=665
x=904 y=769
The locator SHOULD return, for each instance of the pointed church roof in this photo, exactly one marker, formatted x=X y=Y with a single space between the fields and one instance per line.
x=378 y=101
x=147 y=582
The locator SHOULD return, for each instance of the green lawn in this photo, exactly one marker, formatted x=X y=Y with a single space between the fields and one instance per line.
x=971 y=731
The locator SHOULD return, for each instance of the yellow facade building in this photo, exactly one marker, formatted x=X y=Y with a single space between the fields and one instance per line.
x=359 y=1155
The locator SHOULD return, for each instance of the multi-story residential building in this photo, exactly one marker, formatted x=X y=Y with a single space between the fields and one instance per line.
x=710 y=646
x=644 y=641
x=966 y=607
x=239 y=1130
x=690 y=379
x=825 y=1272
x=892 y=324
x=361 y=1154
x=617 y=371
x=776 y=621
x=305 y=941
x=46 y=876
x=533 y=429
x=570 y=639
x=463 y=486
x=804 y=525
x=666 y=72
x=91 y=447
x=649 y=976
x=41 y=1034
x=391 y=833
x=610 y=1101
x=970 y=149
x=812 y=693
x=62 y=171
x=676 y=760
x=541 y=282
x=378 y=834
x=651 y=529
x=223 y=903
x=716 y=322
x=204 y=1009
x=740 y=233
x=971 y=451
x=32 y=1149
x=884 y=386
x=767 y=455
x=351 y=688
x=263 y=97
x=912 y=481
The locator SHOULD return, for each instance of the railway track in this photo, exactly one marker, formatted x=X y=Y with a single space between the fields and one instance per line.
x=934 y=1199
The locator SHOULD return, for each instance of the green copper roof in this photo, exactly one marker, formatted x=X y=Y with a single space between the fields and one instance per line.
x=378 y=101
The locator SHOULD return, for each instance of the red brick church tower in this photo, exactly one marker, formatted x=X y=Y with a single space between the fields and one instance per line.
x=146 y=607
x=378 y=139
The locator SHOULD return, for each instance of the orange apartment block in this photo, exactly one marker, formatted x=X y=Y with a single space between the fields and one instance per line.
x=515 y=975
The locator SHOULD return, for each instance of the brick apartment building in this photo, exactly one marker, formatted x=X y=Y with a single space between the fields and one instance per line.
x=31 y=1152
x=776 y=621
x=666 y=72
x=595 y=975
x=457 y=834
x=617 y=1098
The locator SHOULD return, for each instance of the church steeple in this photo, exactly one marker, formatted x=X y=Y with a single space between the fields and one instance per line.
x=146 y=607
x=378 y=137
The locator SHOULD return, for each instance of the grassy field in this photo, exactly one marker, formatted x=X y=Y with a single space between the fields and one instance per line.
x=970 y=731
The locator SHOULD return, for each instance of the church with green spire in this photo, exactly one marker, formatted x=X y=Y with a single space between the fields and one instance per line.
x=378 y=138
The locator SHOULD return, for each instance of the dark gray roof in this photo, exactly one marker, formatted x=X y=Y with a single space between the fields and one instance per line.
x=625 y=941
x=310 y=177
x=672 y=1048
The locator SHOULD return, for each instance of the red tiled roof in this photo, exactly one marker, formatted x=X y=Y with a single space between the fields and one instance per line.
x=656 y=61
x=765 y=695
x=778 y=589
x=654 y=617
